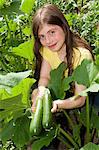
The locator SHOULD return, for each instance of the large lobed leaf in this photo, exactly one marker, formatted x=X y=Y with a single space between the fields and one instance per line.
x=13 y=113
x=10 y=80
x=21 y=134
x=56 y=83
x=25 y=50
x=17 y=130
x=14 y=104
x=87 y=74
x=44 y=140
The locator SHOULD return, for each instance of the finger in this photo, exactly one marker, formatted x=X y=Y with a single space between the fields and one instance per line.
x=54 y=109
x=33 y=108
x=34 y=93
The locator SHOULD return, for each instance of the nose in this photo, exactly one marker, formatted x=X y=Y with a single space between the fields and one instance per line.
x=48 y=40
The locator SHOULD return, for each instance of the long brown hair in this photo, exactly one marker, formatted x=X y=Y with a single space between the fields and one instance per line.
x=50 y=14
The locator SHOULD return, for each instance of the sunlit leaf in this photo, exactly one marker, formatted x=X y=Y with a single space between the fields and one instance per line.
x=25 y=50
x=13 y=105
x=24 y=87
x=97 y=60
x=27 y=31
x=11 y=79
x=2 y=2
x=92 y=88
x=27 y=5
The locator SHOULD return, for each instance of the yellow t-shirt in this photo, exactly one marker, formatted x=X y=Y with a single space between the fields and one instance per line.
x=78 y=55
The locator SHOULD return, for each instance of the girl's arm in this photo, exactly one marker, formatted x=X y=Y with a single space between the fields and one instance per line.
x=44 y=73
x=43 y=81
x=70 y=103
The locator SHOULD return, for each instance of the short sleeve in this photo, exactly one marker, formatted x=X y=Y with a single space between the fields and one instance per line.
x=79 y=55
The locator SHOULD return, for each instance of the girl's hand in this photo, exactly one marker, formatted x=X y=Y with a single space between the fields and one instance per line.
x=56 y=106
x=39 y=92
x=33 y=97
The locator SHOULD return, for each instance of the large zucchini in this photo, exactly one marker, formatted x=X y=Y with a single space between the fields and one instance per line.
x=47 y=105
x=36 y=122
x=42 y=117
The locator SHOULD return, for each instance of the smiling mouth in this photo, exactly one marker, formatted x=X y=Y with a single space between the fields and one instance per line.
x=52 y=46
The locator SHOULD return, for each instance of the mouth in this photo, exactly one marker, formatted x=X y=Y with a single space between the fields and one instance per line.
x=52 y=46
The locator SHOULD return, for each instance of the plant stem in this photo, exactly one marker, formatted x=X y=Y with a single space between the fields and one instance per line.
x=69 y=119
x=68 y=137
x=9 y=31
x=64 y=142
x=87 y=120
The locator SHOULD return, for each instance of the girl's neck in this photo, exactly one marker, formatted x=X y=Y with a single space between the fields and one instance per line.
x=62 y=53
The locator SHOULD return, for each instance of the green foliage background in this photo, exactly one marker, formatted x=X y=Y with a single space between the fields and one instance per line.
x=17 y=58
x=16 y=41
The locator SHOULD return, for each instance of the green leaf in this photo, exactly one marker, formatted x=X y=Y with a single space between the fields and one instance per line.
x=79 y=71
x=24 y=87
x=94 y=87
x=90 y=76
x=66 y=83
x=16 y=130
x=90 y=146
x=76 y=134
x=2 y=2
x=11 y=105
x=11 y=79
x=56 y=83
x=7 y=131
x=14 y=104
x=21 y=134
x=27 y=31
x=44 y=140
x=12 y=25
x=25 y=50
x=97 y=60
x=12 y=9
x=27 y=5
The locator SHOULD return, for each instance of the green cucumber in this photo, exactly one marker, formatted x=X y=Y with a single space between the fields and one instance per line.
x=36 y=122
x=47 y=105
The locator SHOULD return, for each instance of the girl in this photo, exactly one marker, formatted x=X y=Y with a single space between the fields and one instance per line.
x=56 y=43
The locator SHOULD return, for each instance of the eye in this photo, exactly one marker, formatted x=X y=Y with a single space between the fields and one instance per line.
x=52 y=32
x=41 y=37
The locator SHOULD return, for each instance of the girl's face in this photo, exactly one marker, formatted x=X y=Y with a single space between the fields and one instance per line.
x=52 y=37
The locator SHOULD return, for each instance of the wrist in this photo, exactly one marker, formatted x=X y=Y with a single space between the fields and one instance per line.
x=41 y=90
x=74 y=97
x=59 y=103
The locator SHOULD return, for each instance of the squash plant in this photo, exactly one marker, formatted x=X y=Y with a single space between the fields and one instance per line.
x=84 y=117
x=16 y=112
